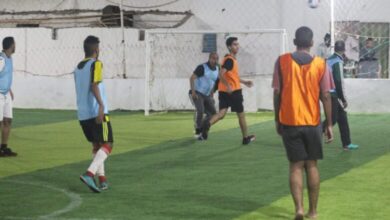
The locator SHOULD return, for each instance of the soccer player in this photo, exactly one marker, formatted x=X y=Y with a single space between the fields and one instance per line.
x=300 y=81
x=339 y=101
x=93 y=112
x=230 y=93
x=6 y=95
x=203 y=82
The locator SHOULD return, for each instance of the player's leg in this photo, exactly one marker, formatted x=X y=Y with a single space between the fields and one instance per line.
x=313 y=142
x=5 y=132
x=102 y=134
x=243 y=125
x=103 y=183
x=313 y=184
x=89 y=130
x=2 y=103
x=219 y=116
x=344 y=131
x=296 y=153
x=237 y=101
x=209 y=107
x=199 y=111
x=296 y=187
x=224 y=104
x=207 y=123
x=100 y=173
x=6 y=126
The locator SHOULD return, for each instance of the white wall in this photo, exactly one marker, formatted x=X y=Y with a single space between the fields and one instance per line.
x=38 y=54
x=364 y=95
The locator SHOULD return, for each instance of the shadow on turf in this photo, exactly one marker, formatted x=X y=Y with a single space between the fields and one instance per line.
x=31 y=117
x=186 y=179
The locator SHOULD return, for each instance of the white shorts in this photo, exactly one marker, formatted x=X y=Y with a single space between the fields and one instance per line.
x=5 y=106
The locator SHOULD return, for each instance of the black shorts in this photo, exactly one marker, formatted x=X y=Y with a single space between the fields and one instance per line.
x=97 y=133
x=302 y=142
x=234 y=100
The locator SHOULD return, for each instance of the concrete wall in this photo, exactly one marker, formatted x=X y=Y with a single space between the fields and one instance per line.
x=38 y=54
x=364 y=96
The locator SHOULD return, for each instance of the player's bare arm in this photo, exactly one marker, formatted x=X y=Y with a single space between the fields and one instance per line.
x=248 y=83
x=327 y=103
x=192 y=85
x=276 y=111
x=96 y=93
x=223 y=80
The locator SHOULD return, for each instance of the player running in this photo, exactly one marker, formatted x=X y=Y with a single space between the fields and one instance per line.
x=230 y=93
x=203 y=82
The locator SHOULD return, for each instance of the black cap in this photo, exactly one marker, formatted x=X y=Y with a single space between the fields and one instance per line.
x=339 y=46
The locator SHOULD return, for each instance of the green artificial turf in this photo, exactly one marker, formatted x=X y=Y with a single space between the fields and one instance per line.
x=158 y=171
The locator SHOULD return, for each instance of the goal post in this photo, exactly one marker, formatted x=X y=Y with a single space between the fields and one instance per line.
x=172 y=55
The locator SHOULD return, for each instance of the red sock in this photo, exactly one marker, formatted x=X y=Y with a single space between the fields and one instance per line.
x=102 y=179
x=90 y=174
x=106 y=148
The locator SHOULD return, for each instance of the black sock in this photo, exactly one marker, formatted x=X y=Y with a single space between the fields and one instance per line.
x=3 y=146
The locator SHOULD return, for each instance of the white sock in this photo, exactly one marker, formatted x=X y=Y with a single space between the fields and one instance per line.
x=99 y=159
x=100 y=170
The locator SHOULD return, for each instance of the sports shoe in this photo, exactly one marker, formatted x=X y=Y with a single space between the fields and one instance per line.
x=104 y=185
x=205 y=130
x=90 y=182
x=248 y=139
x=353 y=146
x=7 y=152
x=197 y=134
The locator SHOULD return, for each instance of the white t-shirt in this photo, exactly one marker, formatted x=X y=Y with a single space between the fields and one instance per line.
x=352 y=48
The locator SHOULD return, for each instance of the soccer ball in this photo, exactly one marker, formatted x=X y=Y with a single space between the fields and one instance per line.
x=313 y=3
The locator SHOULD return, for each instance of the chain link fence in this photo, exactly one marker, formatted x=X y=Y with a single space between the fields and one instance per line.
x=49 y=36
x=174 y=55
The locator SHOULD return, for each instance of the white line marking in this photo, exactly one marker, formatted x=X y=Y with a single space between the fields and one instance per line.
x=75 y=201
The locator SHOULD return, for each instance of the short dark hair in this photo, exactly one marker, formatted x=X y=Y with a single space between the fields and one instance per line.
x=90 y=44
x=339 y=46
x=230 y=41
x=327 y=36
x=370 y=39
x=303 y=37
x=213 y=53
x=8 y=42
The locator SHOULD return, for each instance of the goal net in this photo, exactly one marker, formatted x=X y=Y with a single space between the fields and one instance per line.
x=172 y=56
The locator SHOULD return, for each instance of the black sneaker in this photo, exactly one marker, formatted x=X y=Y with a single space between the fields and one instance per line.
x=7 y=152
x=205 y=130
x=248 y=139
x=198 y=132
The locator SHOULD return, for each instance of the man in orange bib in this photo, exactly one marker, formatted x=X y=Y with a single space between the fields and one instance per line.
x=230 y=93
x=300 y=82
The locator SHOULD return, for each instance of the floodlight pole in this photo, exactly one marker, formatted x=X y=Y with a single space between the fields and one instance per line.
x=123 y=40
x=332 y=26
x=148 y=63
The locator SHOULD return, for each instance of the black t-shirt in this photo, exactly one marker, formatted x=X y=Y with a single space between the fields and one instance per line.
x=199 y=71
x=228 y=64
